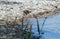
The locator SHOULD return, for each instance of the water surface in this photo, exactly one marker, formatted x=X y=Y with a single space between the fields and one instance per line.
x=51 y=28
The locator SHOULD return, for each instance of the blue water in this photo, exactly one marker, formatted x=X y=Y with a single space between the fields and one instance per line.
x=51 y=28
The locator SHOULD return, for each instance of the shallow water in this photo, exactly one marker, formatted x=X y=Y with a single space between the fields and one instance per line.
x=51 y=28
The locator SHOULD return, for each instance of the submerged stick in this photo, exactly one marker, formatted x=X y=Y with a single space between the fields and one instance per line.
x=38 y=26
x=43 y=24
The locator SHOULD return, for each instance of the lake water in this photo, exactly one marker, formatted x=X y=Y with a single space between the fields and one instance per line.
x=51 y=28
